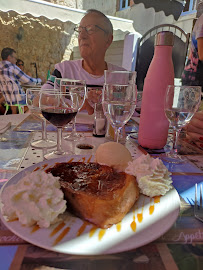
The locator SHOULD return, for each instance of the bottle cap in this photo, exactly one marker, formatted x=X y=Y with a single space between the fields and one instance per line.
x=164 y=38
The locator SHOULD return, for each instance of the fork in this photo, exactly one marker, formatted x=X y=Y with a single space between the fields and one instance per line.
x=198 y=209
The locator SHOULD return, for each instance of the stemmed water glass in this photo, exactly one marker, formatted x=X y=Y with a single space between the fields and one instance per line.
x=32 y=100
x=119 y=98
x=72 y=86
x=59 y=108
x=181 y=102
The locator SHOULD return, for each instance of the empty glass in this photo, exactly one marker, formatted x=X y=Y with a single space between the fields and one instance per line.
x=181 y=102
x=32 y=100
x=119 y=98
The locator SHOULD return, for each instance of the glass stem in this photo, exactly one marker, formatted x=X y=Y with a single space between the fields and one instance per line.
x=73 y=127
x=59 y=139
x=117 y=133
x=44 y=132
x=176 y=133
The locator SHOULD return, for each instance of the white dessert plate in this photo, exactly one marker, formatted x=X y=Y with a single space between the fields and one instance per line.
x=148 y=219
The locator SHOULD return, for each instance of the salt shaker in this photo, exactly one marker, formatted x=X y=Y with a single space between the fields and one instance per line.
x=99 y=126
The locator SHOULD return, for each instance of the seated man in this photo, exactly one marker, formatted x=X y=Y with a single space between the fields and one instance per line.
x=95 y=35
x=10 y=72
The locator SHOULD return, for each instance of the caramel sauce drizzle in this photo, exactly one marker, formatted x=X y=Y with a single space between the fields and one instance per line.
x=92 y=231
x=36 y=169
x=11 y=220
x=61 y=236
x=157 y=199
x=82 y=228
x=133 y=224
x=118 y=227
x=140 y=215
x=35 y=228
x=57 y=229
x=71 y=160
x=89 y=159
x=83 y=159
x=44 y=166
x=101 y=234
x=151 y=207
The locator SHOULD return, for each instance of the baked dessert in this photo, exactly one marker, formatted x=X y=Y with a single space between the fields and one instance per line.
x=96 y=193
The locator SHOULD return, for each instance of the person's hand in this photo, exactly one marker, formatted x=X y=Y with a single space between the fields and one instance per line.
x=87 y=107
x=194 y=130
x=94 y=96
x=43 y=79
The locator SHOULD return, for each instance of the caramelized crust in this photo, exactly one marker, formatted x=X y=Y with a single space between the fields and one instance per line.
x=95 y=192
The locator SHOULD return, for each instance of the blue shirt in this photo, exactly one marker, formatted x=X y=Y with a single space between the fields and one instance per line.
x=10 y=78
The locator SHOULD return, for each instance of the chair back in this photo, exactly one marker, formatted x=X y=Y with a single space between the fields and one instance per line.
x=11 y=93
x=146 y=51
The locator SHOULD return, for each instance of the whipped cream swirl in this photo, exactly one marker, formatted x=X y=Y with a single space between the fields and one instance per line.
x=35 y=199
x=152 y=175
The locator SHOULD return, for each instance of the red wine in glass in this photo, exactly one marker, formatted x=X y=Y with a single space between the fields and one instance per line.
x=59 y=108
x=58 y=118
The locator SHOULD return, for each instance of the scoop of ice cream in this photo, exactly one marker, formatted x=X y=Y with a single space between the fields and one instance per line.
x=152 y=175
x=35 y=199
x=114 y=155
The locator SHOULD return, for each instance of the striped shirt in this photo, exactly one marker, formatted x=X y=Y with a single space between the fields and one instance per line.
x=10 y=78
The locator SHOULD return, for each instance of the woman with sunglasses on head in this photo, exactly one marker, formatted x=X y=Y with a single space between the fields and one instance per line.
x=95 y=35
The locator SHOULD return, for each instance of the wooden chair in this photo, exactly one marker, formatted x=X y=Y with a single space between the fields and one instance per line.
x=12 y=96
x=146 y=51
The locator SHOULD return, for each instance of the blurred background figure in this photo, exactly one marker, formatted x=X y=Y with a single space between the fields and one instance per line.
x=11 y=75
x=193 y=71
x=193 y=75
x=21 y=65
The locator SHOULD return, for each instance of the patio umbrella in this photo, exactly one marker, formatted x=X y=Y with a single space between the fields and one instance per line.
x=169 y=7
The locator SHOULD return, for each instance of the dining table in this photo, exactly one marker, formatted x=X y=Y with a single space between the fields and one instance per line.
x=175 y=244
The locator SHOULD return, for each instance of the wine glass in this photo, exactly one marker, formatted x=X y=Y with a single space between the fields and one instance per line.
x=181 y=102
x=73 y=86
x=59 y=108
x=32 y=100
x=119 y=98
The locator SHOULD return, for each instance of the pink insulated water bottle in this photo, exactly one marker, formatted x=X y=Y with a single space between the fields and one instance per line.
x=153 y=128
